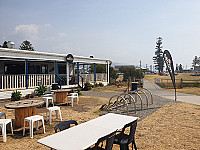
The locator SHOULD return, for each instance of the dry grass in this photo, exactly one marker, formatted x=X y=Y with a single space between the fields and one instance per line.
x=151 y=77
x=187 y=90
x=174 y=126
x=111 y=89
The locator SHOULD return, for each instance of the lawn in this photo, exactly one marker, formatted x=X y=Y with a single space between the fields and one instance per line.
x=174 y=126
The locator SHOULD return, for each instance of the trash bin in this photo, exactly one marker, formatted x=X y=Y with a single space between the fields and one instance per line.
x=134 y=86
x=54 y=86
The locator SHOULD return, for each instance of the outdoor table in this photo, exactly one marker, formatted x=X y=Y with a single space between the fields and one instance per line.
x=61 y=96
x=23 y=109
x=86 y=134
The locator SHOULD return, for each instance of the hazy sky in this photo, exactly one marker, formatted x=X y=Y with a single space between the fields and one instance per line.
x=124 y=31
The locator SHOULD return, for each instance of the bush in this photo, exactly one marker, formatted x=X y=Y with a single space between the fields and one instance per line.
x=101 y=84
x=40 y=90
x=16 y=96
x=87 y=86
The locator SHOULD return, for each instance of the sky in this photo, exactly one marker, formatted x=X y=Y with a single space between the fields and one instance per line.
x=123 y=31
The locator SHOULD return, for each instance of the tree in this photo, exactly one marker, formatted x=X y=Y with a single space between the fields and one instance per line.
x=196 y=61
x=5 y=44
x=113 y=73
x=158 y=59
x=130 y=73
x=100 y=68
x=26 y=45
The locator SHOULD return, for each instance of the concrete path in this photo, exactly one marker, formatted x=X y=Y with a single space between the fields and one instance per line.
x=156 y=90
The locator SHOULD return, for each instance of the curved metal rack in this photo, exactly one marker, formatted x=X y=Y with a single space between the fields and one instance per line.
x=144 y=94
x=149 y=93
x=131 y=100
x=117 y=103
x=132 y=92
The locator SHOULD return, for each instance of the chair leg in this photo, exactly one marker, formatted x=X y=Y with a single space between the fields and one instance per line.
x=46 y=116
x=72 y=99
x=57 y=114
x=124 y=147
x=60 y=115
x=31 y=129
x=50 y=116
x=4 y=132
x=133 y=143
x=43 y=125
x=52 y=101
x=24 y=127
x=11 y=127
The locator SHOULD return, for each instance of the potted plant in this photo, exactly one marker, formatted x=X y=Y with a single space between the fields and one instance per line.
x=16 y=95
x=40 y=90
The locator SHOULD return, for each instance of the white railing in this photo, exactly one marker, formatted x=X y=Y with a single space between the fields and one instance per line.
x=19 y=81
x=100 y=77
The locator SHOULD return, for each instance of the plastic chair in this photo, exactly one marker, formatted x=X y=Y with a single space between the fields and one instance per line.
x=47 y=99
x=31 y=120
x=123 y=139
x=109 y=142
x=64 y=125
x=2 y=114
x=50 y=109
x=73 y=96
x=3 y=123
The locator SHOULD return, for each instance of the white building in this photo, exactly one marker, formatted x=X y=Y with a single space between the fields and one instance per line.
x=21 y=69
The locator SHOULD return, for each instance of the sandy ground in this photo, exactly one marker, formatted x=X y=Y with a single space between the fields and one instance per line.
x=174 y=126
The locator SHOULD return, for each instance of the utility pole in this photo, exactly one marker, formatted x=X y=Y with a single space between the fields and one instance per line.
x=140 y=64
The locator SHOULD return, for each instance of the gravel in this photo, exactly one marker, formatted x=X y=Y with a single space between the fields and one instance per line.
x=158 y=102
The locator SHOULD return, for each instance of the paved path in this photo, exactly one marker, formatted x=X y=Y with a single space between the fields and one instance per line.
x=156 y=90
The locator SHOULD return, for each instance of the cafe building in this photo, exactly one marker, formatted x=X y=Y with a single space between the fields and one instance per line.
x=22 y=69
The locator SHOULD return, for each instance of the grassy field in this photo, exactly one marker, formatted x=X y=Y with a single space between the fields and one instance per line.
x=188 y=90
x=172 y=127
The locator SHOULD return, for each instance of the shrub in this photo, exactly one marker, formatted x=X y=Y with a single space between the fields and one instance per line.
x=87 y=86
x=40 y=90
x=101 y=84
x=16 y=95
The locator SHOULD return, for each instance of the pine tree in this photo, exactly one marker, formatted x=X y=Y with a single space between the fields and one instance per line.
x=158 y=58
x=26 y=45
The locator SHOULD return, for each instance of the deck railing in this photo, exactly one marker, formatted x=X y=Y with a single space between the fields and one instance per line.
x=100 y=77
x=19 y=81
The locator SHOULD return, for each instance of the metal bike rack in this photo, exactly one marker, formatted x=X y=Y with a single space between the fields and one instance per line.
x=131 y=99
x=135 y=92
x=149 y=93
x=117 y=103
x=144 y=94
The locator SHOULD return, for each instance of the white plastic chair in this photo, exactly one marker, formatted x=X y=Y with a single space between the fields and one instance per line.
x=47 y=99
x=31 y=120
x=73 y=96
x=50 y=109
x=3 y=123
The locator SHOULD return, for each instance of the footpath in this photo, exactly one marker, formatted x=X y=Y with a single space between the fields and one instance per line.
x=156 y=90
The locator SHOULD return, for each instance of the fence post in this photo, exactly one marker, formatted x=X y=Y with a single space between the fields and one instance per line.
x=181 y=84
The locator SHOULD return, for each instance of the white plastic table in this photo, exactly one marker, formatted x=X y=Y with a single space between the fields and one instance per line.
x=86 y=134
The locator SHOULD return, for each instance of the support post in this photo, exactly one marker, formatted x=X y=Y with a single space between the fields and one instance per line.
x=95 y=73
x=56 y=77
x=67 y=72
x=78 y=73
x=108 y=73
x=26 y=72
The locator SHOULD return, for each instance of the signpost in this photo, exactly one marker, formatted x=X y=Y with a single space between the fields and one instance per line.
x=169 y=63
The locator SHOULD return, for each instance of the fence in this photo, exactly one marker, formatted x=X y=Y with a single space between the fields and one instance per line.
x=180 y=83
x=19 y=81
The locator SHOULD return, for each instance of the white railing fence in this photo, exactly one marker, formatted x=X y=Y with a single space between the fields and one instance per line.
x=100 y=77
x=19 y=81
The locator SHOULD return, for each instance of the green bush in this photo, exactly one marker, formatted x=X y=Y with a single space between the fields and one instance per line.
x=40 y=90
x=87 y=86
x=16 y=95
x=101 y=84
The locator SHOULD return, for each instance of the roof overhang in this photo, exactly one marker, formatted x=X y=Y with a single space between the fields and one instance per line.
x=6 y=53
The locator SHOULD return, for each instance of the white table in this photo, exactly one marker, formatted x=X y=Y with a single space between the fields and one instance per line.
x=86 y=134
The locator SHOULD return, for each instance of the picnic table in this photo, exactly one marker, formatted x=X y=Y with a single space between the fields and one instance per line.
x=23 y=109
x=86 y=134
